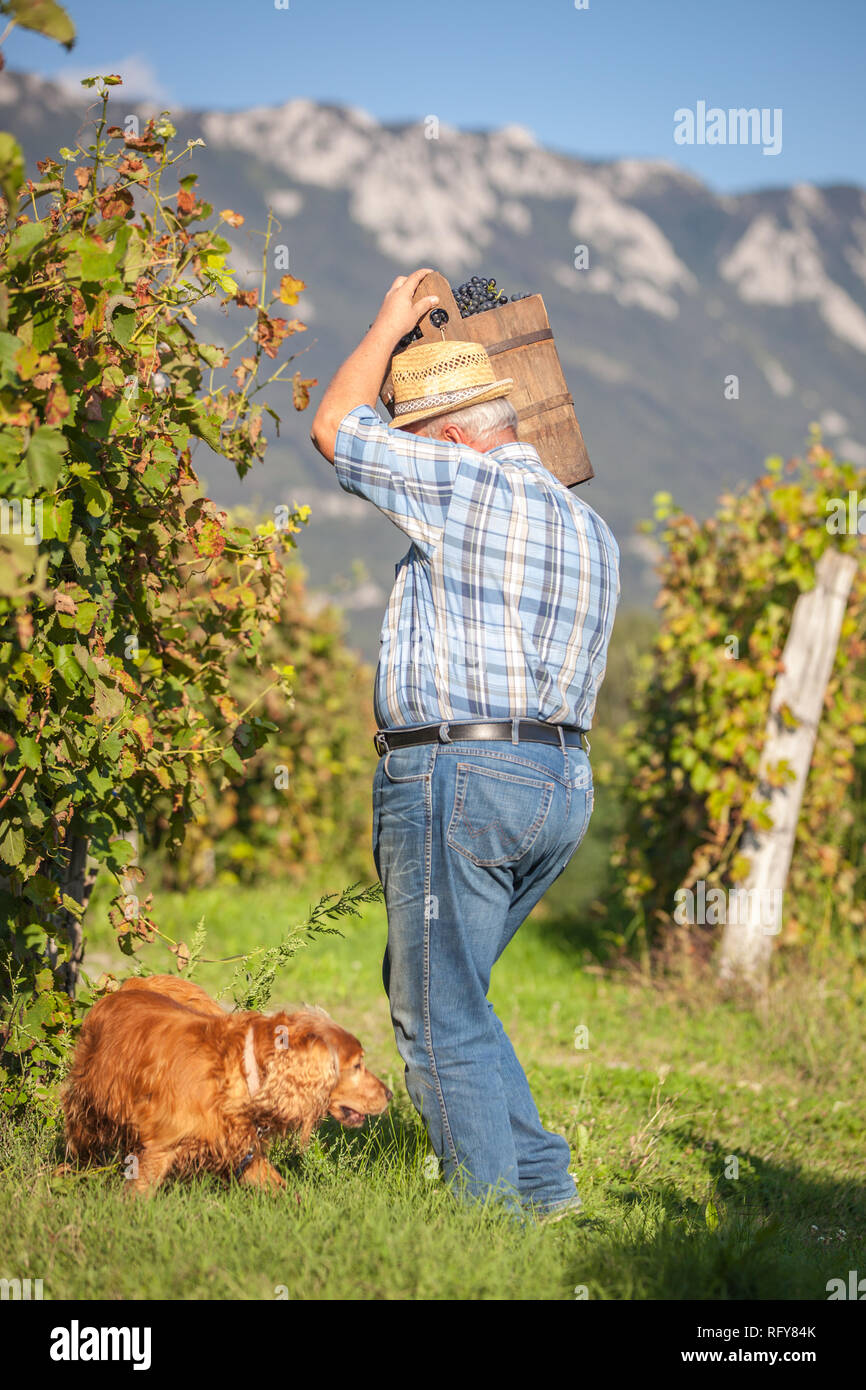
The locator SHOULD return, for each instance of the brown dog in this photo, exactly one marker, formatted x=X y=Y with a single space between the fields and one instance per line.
x=161 y=1071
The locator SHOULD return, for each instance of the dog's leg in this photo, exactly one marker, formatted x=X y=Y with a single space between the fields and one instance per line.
x=151 y=1167
x=84 y=1147
x=261 y=1173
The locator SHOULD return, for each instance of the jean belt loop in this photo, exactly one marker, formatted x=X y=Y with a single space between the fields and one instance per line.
x=587 y=744
x=444 y=733
x=515 y=731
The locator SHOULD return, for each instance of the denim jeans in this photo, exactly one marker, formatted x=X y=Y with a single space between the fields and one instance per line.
x=466 y=838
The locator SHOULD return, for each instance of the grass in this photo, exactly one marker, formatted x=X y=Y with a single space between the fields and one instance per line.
x=673 y=1087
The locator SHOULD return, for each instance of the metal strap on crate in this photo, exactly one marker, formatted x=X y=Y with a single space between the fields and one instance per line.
x=541 y=335
x=551 y=403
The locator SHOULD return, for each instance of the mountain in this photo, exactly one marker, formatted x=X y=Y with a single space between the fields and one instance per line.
x=683 y=290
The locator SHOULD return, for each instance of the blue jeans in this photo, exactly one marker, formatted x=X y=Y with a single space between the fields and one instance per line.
x=466 y=838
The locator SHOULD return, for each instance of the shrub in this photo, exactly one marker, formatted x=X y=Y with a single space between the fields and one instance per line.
x=694 y=745
x=128 y=601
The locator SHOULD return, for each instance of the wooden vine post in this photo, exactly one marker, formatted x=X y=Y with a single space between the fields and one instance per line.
x=799 y=691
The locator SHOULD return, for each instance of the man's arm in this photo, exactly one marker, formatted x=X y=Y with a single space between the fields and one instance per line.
x=359 y=380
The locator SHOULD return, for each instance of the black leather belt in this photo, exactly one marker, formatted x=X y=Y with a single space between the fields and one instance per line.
x=533 y=730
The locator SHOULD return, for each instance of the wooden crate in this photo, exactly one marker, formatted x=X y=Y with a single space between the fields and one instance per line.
x=520 y=344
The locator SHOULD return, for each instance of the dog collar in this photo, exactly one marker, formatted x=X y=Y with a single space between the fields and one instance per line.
x=251 y=1070
x=244 y=1164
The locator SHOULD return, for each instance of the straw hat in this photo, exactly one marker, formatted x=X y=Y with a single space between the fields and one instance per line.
x=434 y=378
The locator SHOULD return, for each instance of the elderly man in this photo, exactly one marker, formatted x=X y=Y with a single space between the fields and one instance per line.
x=493 y=649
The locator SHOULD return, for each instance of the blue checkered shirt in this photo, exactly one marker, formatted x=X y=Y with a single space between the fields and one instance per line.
x=504 y=604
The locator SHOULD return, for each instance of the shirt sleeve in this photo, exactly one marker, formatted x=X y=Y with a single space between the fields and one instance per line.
x=409 y=477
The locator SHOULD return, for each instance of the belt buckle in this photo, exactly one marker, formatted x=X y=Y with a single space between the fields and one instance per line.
x=380 y=743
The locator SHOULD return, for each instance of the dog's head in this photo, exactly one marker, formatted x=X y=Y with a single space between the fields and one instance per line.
x=304 y=1065
x=357 y=1091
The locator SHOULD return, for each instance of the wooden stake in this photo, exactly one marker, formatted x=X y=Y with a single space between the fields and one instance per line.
x=808 y=658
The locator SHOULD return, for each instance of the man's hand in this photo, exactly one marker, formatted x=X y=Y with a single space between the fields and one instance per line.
x=399 y=314
x=359 y=380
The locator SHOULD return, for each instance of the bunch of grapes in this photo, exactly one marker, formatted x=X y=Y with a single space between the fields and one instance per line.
x=479 y=294
x=410 y=337
x=472 y=297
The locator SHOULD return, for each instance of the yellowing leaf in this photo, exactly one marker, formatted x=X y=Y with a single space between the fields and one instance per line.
x=301 y=391
x=290 y=288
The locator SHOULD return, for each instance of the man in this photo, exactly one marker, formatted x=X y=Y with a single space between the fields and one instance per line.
x=492 y=651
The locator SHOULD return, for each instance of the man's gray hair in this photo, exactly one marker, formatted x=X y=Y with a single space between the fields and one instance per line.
x=479 y=422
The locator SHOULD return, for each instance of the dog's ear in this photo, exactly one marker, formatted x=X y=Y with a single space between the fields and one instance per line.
x=297 y=1070
x=316 y=1028
x=305 y=1038
x=266 y=1037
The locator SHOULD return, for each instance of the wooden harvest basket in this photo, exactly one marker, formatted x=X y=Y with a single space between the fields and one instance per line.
x=519 y=342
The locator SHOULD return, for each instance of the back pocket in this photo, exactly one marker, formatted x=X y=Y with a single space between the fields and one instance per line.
x=496 y=816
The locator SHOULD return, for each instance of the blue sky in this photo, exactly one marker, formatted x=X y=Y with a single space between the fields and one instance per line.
x=599 y=82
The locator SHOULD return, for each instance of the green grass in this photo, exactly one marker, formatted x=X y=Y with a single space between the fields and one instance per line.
x=673 y=1083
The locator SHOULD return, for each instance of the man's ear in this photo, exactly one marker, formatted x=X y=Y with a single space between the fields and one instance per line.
x=454 y=434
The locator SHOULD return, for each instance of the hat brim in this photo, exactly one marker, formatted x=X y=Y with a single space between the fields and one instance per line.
x=485 y=393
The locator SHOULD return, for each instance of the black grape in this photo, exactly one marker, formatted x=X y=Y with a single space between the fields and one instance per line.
x=410 y=337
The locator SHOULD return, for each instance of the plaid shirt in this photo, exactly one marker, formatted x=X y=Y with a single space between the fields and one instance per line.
x=504 y=604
